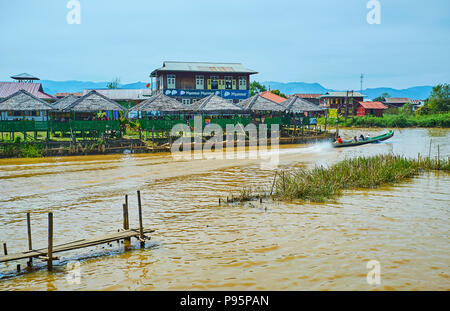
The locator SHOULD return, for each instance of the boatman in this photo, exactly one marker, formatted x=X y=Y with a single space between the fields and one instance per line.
x=339 y=140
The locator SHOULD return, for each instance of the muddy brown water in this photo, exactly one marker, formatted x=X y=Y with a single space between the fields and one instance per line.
x=201 y=245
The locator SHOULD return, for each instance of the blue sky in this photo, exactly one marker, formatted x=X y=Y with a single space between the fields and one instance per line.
x=324 y=41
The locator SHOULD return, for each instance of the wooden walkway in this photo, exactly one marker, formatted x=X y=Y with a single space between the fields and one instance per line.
x=47 y=253
x=107 y=238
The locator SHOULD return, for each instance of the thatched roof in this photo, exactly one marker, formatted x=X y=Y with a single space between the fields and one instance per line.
x=64 y=102
x=93 y=102
x=214 y=104
x=160 y=102
x=260 y=103
x=23 y=101
x=297 y=104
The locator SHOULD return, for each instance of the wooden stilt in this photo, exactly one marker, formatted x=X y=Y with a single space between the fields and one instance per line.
x=50 y=242
x=30 y=244
x=126 y=224
x=141 y=227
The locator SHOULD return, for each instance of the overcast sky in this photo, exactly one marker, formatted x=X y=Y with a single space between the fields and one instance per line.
x=324 y=41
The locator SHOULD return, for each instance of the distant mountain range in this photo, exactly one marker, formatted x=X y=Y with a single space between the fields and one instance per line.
x=418 y=92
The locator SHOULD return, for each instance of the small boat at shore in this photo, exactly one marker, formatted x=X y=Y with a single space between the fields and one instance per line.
x=351 y=143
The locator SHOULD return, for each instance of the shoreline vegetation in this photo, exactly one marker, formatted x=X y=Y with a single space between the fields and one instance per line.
x=322 y=184
x=391 y=121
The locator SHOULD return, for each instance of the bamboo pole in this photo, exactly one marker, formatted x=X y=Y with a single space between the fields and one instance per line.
x=5 y=249
x=141 y=227
x=50 y=242
x=429 y=152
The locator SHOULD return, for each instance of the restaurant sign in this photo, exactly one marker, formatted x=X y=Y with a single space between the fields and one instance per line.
x=226 y=94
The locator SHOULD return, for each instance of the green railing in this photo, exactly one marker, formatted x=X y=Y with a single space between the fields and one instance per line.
x=160 y=124
x=100 y=126
x=23 y=126
x=56 y=126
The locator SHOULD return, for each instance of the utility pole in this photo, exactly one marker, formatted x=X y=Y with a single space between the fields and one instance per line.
x=346 y=106
x=361 y=86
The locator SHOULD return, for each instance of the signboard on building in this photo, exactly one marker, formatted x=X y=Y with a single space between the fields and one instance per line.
x=226 y=94
x=332 y=113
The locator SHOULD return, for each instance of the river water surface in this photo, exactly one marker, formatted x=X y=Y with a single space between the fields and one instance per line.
x=201 y=245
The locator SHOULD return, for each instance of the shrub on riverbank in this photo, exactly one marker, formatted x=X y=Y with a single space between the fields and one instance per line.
x=391 y=120
x=21 y=150
x=321 y=184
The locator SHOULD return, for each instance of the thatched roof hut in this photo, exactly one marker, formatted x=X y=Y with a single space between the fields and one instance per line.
x=23 y=101
x=64 y=102
x=93 y=102
x=260 y=103
x=214 y=104
x=160 y=102
x=298 y=105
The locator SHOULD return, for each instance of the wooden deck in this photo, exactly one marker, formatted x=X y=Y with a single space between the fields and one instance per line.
x=107 y=238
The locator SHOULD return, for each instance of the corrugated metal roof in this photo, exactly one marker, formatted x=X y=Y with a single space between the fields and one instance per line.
x=397 y=100
x=308 y=96
x=123 y=94
x=203 y=67
x=8 y=88
x=273 y=97
x=373 y=105
x=342 y=94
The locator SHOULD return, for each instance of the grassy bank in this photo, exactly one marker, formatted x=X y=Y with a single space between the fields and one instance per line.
x=391 y=120
x=322 y=184
x=21 y=150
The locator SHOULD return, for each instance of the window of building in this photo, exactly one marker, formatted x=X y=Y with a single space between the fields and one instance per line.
x=214 y=82
x=171 y=82
x=228 y=83
x=242 y=83
x=199 y=82
x=186 y=101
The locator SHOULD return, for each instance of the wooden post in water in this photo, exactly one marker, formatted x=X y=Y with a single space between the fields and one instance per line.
x=50 y=242
x=273 y=183
x=439 y=161
x=126 y=221
x=429 y=152
x=141 y=227
x=5 y=250
x=30 y=244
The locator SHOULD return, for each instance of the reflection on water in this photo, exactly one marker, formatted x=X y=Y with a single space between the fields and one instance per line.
x=201 y=245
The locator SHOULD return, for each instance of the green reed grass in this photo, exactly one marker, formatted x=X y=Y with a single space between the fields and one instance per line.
x=321 y=184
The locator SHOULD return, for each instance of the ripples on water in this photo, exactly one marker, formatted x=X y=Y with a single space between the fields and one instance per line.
x=200 y=245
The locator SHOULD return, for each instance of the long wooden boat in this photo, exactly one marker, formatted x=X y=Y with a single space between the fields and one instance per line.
x=351 y=143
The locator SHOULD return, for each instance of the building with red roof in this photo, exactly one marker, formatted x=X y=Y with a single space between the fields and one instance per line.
x=9 y=88
x=370 y=108
x=273 y=97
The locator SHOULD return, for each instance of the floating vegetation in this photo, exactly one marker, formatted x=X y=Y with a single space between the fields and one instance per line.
x=321 y=184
